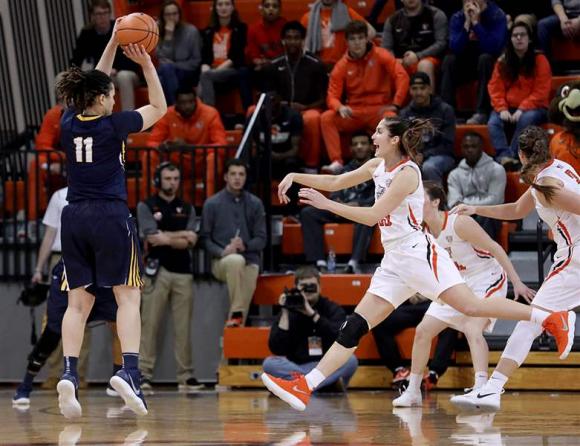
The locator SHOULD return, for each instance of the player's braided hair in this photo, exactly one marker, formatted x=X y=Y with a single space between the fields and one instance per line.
x=79 y=89
x=533 y=142
x=411 y=132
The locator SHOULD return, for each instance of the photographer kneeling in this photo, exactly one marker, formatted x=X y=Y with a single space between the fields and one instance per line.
x=307 y=326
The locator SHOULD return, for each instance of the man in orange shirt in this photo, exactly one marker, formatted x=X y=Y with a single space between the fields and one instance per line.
x=191 y=122
x=373 y=85
x=325 y=25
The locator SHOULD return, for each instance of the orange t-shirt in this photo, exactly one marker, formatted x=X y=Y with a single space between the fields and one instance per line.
x=221 y=45
x=564 y=147
x=333 y=44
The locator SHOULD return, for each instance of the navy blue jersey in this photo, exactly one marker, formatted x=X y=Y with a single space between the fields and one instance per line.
x=95 y=152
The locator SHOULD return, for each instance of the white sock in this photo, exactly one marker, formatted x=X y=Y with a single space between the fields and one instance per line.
x=539 y=316
x=415 y=383
x=352 y=263
x=480 y=379
x=314 y=378
x=497 y=381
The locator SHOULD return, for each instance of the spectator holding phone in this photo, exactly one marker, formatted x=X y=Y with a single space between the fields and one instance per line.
x=306 y=327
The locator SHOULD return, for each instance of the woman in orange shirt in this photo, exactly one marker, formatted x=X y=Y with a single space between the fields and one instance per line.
x=519 y=90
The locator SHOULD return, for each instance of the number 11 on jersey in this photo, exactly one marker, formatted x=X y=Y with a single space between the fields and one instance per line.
x=84 y=145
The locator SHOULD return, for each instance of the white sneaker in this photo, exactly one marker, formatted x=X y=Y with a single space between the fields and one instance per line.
x=486 y=398
x=408 y=399
x=333 y=168
x=465 y=401
x=480 y=422
x=67 y=399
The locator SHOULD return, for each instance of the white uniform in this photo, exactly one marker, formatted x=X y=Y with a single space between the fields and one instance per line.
x=52 y=215
x=413 y=262
x=481 y=271
x=560 y=289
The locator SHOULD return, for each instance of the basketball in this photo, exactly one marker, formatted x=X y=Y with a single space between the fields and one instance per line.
x=140 y=29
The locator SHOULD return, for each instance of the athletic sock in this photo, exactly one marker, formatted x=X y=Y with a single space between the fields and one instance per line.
x=27 y=381
x=314 y=378
x=415 y=380
x=539 y=316
x=130 y=361
x=497 y=381
x=70 y=366
x=480 y=379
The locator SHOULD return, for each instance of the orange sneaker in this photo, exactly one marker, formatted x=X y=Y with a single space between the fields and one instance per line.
x=561 y=325
x=294 y=392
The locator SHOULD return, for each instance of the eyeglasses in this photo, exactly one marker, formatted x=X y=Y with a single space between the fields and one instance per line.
x=519 y=35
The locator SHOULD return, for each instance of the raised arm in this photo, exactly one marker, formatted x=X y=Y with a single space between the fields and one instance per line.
x=329 y=183
x=509 y=211
x=106 y=61
x=468 y=229
x=404 y=183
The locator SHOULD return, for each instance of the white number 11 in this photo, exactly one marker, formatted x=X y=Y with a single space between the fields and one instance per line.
x=87 y=143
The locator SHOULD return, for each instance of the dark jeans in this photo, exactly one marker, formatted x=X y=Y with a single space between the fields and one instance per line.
x=406 y=316
x=548 y=27
x=497 y=131
x=173 y=78
x=468 y=66
x=313 y=221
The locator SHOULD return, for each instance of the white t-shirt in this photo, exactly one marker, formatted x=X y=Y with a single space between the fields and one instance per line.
x=53 y=212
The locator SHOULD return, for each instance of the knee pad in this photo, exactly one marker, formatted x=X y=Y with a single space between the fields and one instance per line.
x=42 y=350
x=520 y=342
x=354 y=328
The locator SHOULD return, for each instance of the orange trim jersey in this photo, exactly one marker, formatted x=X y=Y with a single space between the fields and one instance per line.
x=407 y=217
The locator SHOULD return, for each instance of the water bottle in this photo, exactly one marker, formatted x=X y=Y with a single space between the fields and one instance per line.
x=331 y=262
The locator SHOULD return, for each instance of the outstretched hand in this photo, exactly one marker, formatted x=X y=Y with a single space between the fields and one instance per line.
x=463 y=209
x=313 y=198
x=520 y=290
x=283 y=187
x=137 y=54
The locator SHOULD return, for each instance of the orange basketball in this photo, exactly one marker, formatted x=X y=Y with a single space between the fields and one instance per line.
x=140 y=29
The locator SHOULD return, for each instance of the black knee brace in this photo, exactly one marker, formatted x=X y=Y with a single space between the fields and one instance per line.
x=42 y=350
x=354 y=328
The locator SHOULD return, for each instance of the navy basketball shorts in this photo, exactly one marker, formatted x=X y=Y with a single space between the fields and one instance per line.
x=104 y=309
x=100 y=245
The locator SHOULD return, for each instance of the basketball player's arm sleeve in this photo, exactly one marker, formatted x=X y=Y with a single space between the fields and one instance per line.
x=258 y=231
x=145 y=220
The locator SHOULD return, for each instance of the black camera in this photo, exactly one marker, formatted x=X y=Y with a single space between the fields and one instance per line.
x=294 y=298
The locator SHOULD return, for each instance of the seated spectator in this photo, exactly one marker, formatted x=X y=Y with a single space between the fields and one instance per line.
x=565 y=22
x=285 y=135
x=264 y=43
x=190 y=122
x=178 y=51
x=90 y=45
x=437 y=155
x=565 y=145
x=478 y=181
x=326 y=24
x=365 y=86
x=417 y=36
x=233 y=230
x=222 y=57
x=306 y=327
x=167 y=225
x=409 y=315
x=520 y=90
x=313 y=219
x=301 y=81
x=477 y=35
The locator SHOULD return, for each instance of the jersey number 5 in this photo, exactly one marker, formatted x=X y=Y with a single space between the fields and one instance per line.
x=84 y=145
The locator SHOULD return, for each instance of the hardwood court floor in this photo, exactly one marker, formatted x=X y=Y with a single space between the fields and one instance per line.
x=253 y=418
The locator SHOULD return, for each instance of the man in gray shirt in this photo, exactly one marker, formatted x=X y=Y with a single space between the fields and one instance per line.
x=233 y=231
x=564 y=23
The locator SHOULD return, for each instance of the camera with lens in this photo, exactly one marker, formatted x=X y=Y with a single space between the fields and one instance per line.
x=294 y=298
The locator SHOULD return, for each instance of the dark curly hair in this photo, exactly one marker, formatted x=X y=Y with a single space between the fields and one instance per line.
x=533 y=142
x=411 y=133
x=79 y=89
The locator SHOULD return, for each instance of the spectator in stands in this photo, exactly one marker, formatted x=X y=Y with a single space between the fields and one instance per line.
x=313 y=219
x=565 y=22
x=167 y=227
x=285 y=135
x=477 y=181
x=437 y=155
x=306 y=327
x=190 y=122
x=233 y=231
x=477 y=35
x=178 y=51
x=417 y=36
x=222 y=58
x=90 y=45
x=326 y=25
x=409 y=315
x=302 y=81
x=520 y=92
x=365 y=86
x=264 y=42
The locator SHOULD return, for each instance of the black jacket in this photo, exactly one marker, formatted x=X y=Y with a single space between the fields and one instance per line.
x=237 y=46
x=293 y=343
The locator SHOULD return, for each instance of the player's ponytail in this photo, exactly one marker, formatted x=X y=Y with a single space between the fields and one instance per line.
x=79 y=89
x=533 y=142
x=411 y=133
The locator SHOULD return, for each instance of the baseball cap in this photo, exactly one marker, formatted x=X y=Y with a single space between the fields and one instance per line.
x=420 y=78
